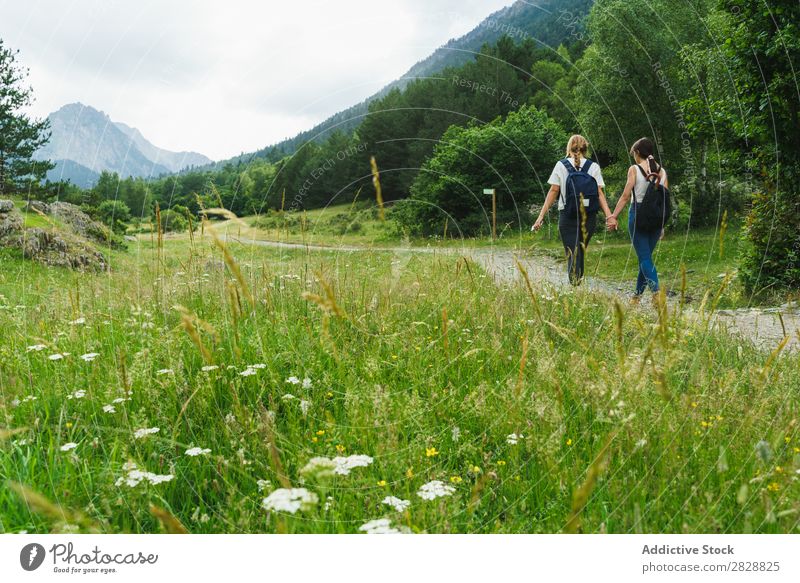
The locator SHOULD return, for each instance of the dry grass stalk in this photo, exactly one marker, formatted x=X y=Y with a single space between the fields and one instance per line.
x=536 y=308
x=376 y=181
x=41 y=505
x=619 y=321
x=8 y=433
x=169 y=522
x=189 y=323
x=522 y=361
x=581 y=496
x=231 y=263
x=444 y=330
x=274 y=452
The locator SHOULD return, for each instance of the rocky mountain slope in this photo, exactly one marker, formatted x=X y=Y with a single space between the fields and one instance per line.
x=84 y=142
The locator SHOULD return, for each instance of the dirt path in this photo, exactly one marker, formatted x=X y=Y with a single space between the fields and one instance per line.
x=765 y=327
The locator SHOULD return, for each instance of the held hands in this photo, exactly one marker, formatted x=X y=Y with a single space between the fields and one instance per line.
x=611 y=223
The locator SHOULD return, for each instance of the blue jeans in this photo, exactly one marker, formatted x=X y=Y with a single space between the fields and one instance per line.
x=645 y=245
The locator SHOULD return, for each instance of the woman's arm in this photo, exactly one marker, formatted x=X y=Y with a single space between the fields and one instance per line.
x=551 y=197
x=626 y=193
x=611 y=221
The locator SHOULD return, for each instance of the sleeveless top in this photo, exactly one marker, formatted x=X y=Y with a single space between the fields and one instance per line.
x=640 y=188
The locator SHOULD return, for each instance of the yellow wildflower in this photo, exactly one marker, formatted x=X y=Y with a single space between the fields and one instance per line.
x=431 y=452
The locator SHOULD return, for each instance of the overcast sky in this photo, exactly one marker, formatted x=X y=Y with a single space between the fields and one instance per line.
x=227 y=76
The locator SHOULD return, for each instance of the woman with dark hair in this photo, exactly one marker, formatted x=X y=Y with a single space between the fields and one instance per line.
x=644 y=242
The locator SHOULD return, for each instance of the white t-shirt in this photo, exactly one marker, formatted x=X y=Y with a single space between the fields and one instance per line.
x=640 y=187
x=559 y=178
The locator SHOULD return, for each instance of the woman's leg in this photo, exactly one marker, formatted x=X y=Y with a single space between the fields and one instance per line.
x=648 y=277
x=644 y=246
x=570 y=235
x=654 y=238
x=641 y=282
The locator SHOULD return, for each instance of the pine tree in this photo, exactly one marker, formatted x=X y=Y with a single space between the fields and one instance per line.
x=20 y=135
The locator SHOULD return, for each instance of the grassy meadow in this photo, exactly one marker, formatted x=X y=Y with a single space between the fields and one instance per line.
x=199 y=389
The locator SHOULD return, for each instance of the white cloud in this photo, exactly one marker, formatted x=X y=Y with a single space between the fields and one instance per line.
x=225 y=77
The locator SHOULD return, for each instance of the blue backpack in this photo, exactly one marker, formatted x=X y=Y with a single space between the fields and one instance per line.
x=580 y=185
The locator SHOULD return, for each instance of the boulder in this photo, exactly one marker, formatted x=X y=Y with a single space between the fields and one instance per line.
x=56 y=247
x=60 y=249
x=84 y=225
x=10 y=219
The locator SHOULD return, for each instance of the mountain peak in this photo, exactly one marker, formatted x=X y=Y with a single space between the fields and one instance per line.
x=85 y=141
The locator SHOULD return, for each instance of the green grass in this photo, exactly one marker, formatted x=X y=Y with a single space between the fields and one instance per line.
x=414 y=360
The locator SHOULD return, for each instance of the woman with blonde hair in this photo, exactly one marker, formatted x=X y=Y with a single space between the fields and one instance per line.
x=577 y=183
x=645 y=170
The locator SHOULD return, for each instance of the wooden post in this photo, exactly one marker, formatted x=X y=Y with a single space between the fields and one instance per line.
x=493 y=192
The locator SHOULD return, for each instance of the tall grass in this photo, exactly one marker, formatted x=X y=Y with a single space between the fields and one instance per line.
x=429 y=369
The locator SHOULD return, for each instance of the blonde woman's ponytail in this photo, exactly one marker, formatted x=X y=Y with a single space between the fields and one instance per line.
x=577 y=146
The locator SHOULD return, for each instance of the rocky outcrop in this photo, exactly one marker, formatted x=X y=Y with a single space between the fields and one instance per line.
x=81 y=223
x=56 y=247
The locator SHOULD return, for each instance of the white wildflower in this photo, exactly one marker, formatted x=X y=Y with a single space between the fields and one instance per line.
x=513 y=439
x=293 y=381
x=455 y=433
x=196 y=451
x=69 y=446
x=209 y=368
x=35 y=348
x=379 y=526
x=345 y=464
x=109 y=409
x=260 y=365
x=90 y=356
x=247 y=372
x=78 y=322
x=164 y=371
x=145 y=431
x=55 y=357
x=288 y=397
x=319 y=467
x=290 y=500
x=136 y=476
x=304 y=406
x=307 y=384
x=434 y=489
x=79 y=394
x=263 y=485
x=398 y=504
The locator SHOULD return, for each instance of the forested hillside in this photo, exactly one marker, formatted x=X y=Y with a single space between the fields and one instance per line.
x=695 y=80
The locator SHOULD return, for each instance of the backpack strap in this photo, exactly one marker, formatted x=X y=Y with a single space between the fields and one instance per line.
x=586 y=165
x=568 y=163
x=650 y=175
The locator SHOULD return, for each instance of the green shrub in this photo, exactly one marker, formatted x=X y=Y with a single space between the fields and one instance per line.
x=173 y=221
x=771 y=246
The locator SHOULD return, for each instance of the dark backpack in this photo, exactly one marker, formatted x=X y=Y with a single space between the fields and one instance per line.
x=580 y=185
x=655 y=209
